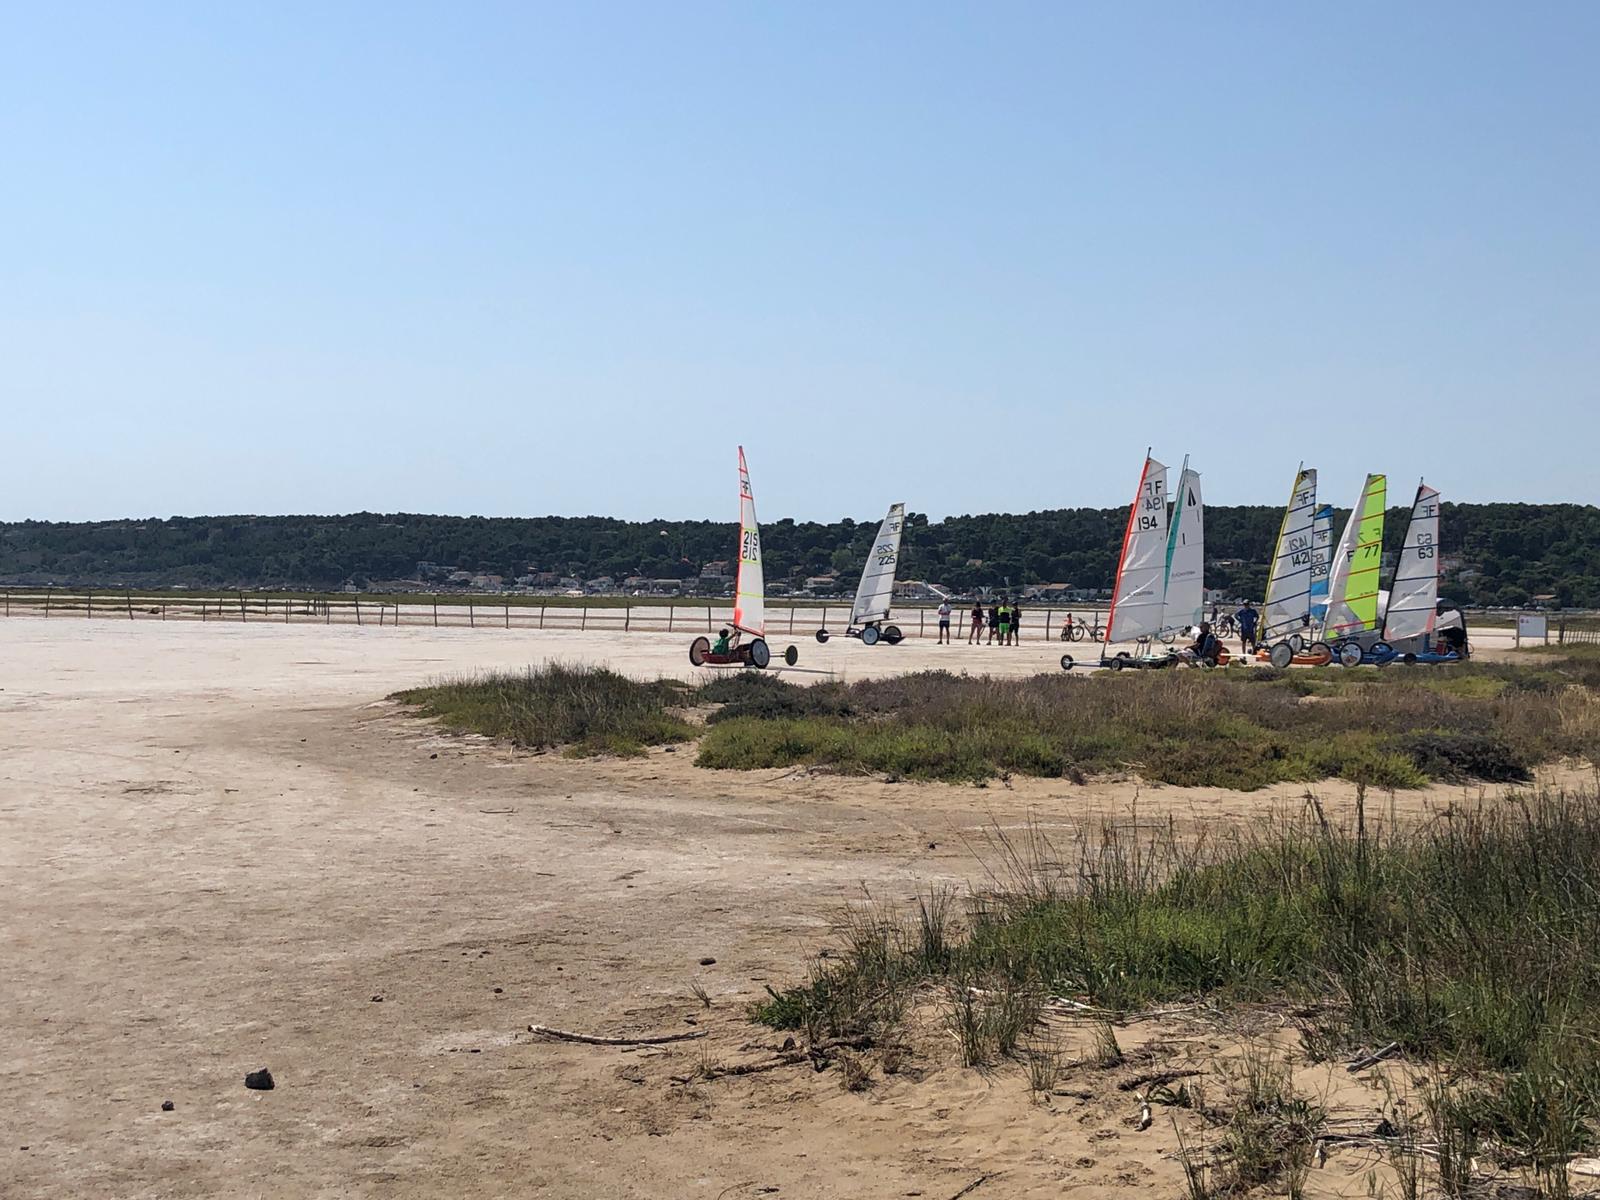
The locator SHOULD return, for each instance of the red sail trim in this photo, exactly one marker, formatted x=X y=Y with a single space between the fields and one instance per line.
x=1127 y=536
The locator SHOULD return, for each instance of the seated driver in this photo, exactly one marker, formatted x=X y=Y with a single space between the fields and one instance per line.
x=727 y=642
x=1205 y=646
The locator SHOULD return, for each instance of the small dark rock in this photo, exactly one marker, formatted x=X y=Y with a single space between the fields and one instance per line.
x=708 y=962
x=167 y=1106
x=498 y=991
x=933 y=845
x=377 y=999
x=260 y=1081
x=672 y=749
x=475 y=1050
x=788 y=1043
x=434 y=755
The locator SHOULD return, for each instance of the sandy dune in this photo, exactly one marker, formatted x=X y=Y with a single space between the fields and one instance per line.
x=220 y=849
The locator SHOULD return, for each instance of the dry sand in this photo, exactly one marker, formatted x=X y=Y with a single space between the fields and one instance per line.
x=221 y=849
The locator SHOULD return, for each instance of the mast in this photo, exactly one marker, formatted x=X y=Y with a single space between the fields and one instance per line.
x=875 y=593
x=1286 y=600
x=749 y=592
x=1414 y=593
x=1141 y=570
x=1353 y=570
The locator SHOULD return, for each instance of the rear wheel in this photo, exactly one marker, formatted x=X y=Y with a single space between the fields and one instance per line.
x=822 y=635
x=792 y=655
x=1078 y=633
x=892 y=635
x=1167 y=636
x=1382 y=650
x=698 y=649
x=1099 y=633
x=1281 y=655
x=1295 y=642
x=757 y=654
x=1318 y=654
x=1410 y=660
x=869 y=636
x=1350 y=655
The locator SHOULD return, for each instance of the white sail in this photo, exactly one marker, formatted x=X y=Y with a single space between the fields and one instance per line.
x=749 y=593
x=1353 y=571
x=1184 y=603
x=876 y=590
x=1288 y=597
x=1414 y=594
x=1321 y=555
x=1141 y=572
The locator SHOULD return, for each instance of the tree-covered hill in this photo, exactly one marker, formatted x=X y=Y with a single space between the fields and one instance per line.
x=1506 y=553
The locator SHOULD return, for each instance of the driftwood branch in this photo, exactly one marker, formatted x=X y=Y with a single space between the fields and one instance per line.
x=974 y=1185
x=1373 y=1059
x=591 y=1039
x=1154 y=1079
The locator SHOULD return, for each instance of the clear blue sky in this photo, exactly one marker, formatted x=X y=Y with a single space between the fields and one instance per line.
x=513 y=259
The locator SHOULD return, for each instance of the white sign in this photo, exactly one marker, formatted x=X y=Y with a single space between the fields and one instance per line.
x=1533 y=626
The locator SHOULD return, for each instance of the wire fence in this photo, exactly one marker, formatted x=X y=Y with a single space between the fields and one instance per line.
x=518 y=613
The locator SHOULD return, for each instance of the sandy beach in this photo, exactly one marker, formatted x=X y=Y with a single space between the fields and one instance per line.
x=222 y=849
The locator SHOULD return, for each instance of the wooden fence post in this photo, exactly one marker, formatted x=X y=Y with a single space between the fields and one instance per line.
x=583 y=620
x=541 y=616
x=241 y=608
x=669 y=618
x=436 y=612
x=708 y=618
x=627 y=617
x=922 y=622
x=47 y=602
x=129 y=596
x=472 y=617
x=88 y=608
x=508 y=614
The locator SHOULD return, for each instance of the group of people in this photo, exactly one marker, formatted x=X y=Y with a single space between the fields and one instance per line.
x=1003 y=620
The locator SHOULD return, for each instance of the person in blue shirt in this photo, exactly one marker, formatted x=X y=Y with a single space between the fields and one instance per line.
x=1247 y=618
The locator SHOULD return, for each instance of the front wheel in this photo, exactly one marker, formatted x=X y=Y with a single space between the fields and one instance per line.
x=698 y=649
x=1099 y=633
x=1318 y=654
x=1295 y=642
x=869 y=636
x=1382 y=650
x=1350 y=655
x=1167 y=636
x=822 y=636
x=757 y=654
x=1067 y=662
x=792 y=655
x=1281 y=655
x=892 y=635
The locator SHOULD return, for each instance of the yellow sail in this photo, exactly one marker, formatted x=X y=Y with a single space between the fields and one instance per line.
x=1353 y=574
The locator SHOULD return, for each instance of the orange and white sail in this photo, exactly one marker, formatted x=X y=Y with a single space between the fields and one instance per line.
x=750 y=595
x=1141 y=590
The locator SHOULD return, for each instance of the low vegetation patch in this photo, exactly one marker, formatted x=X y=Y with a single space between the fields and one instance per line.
x=1472 y=942
x=1245 y=729
x=1239 y=729
x=589 y=710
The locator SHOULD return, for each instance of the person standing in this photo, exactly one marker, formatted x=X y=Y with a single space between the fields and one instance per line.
x=976 y=632
x=994 y=622
x=1247 y=618
x=944 y=623
x=1016 y=624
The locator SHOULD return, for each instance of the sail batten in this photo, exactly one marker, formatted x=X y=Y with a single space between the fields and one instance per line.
x=1414 y=593
x=1353 y=568
x=1287 y=599
x=750 y=593
x=875 y=593
x=1137 y=600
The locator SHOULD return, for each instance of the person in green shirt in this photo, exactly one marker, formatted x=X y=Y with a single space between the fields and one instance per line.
x=724 y=643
